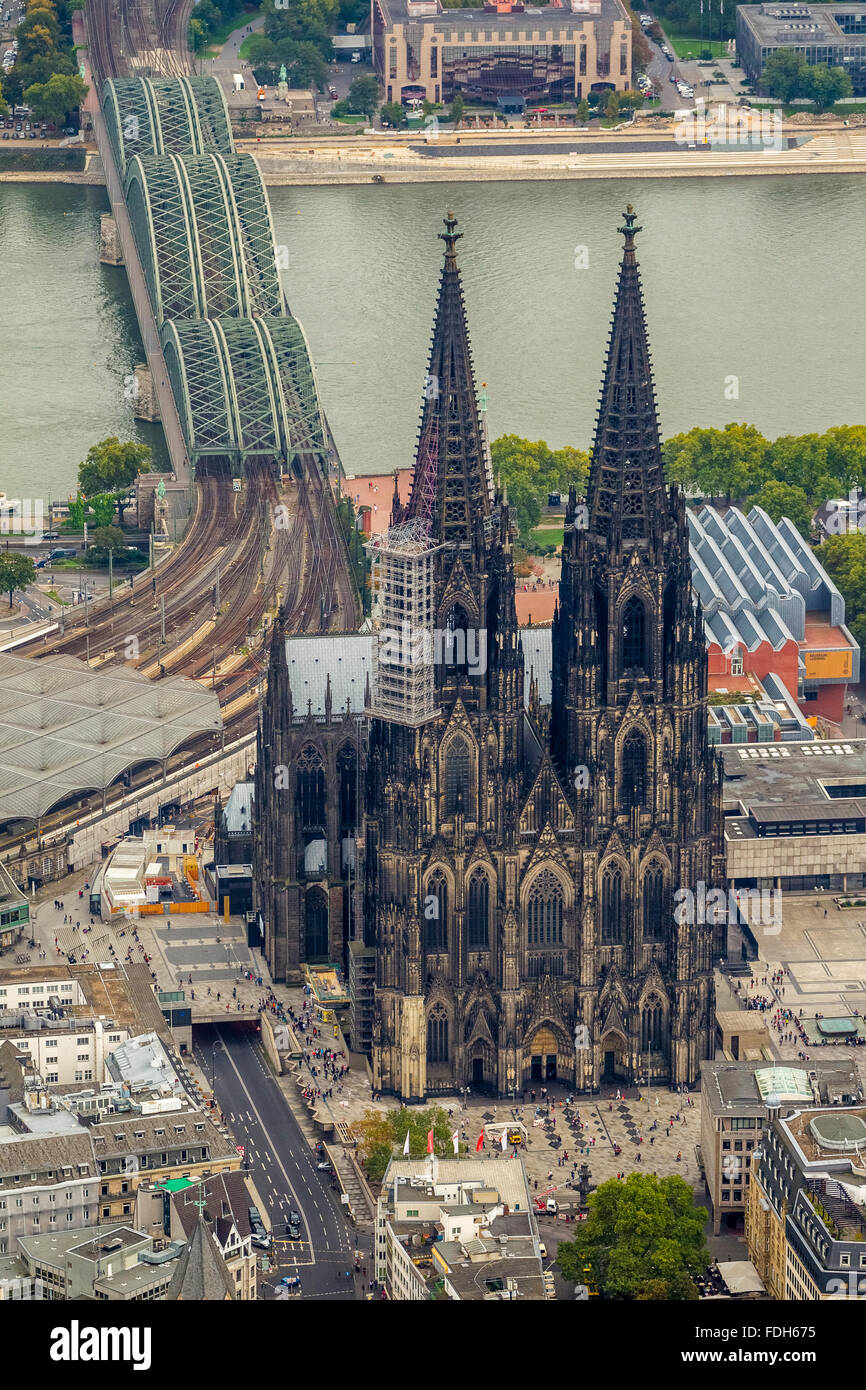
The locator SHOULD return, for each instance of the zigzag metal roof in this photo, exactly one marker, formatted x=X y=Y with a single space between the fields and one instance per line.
x=66 y=729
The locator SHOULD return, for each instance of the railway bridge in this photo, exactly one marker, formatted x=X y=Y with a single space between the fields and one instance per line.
x=237 y=360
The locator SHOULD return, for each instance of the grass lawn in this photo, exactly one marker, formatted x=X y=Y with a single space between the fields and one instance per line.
x=220 y=35
x=547 y=535
x=690 y=46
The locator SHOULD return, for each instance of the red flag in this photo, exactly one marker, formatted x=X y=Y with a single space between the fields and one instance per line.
x=480 y=1145
x=429 y=1141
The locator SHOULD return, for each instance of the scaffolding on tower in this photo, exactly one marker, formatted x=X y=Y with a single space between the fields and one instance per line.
x=403 y=688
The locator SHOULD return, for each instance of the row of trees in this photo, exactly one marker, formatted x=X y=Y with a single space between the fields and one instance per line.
x=45 y=76
x=380 y=1136
x=787 y=76
x=789 y=476
x=104 y=478
x=695 y=18
x=530 y=471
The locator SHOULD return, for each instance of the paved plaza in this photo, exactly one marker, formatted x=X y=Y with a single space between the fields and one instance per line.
x=824 y=957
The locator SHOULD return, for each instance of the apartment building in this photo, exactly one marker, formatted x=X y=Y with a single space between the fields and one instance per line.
x=806 y=1208
x=736 y=1099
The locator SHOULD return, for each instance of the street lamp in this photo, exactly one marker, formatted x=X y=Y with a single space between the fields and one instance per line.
x=214 y=1046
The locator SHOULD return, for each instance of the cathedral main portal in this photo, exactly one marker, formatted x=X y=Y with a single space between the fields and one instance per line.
x=541 y=1059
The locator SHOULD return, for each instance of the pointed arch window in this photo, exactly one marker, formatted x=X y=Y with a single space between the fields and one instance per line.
x=316 y=925
x=478 y=914
x=347 y=773
x=457 y=765
x=436 y=912
x=544 y=911
x=634 y=634
x=611 y=906
x=310 y=790
x=651 y=1025
x=437 y=1035
x=653 y=903
x=455 y=654
x=633 y=790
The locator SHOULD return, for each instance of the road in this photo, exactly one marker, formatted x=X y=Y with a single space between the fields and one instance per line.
x=281 y=1165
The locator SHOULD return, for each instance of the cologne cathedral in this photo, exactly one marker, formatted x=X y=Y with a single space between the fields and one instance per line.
x=503 y=842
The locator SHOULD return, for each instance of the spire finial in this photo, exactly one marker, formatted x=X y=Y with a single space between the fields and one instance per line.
x=450 y=236
x=629 y=230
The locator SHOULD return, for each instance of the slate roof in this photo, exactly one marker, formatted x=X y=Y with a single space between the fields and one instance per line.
x=201 y=1274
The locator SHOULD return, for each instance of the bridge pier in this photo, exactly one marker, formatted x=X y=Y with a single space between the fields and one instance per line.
x=110 y=252
x=145 y=404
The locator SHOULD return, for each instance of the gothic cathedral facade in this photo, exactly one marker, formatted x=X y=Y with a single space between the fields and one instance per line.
x=520 y=861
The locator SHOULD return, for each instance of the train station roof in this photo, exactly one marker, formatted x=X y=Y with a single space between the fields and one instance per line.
x=67 y=729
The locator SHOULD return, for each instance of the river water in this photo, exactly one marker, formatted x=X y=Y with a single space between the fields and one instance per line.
x=754 y=297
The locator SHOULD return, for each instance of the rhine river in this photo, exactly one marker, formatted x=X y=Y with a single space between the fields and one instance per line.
x=755 y=300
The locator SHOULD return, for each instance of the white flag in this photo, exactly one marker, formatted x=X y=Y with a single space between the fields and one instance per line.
x=455 y=1140
x=504 y=1140
x=406 y=1144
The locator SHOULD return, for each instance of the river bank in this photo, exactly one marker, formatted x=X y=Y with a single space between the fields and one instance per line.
x=520 y=156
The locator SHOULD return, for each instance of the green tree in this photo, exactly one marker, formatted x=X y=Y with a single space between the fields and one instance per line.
x=4 y=109
x=611 y=106
x=112 y=467
x=418 y=1124
x=800 y=459
x=583 y=110
x=720 y=463
x=785 y=75
x=103 y=506
x=846 y=453
x=826 y=85
x=77 y=513
x=198 y=36
x=305 y=66
x=568 y=466
x=364 y=95
x=643 y=1239
x=784 y=499
x=108 y=538
x=16 y=572
x=51 y=100
x=375 y=1142
x=457 y=108
x=262 y=55
x=392 y=114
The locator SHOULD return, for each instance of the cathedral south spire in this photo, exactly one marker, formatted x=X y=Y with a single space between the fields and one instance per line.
x=450 y=487
x=626 y=495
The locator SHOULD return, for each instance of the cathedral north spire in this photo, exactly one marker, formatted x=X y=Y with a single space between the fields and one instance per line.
x=626 y=495
x=450 y=488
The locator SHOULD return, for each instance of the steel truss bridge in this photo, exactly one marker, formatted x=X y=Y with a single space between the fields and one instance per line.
x=237 y=360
